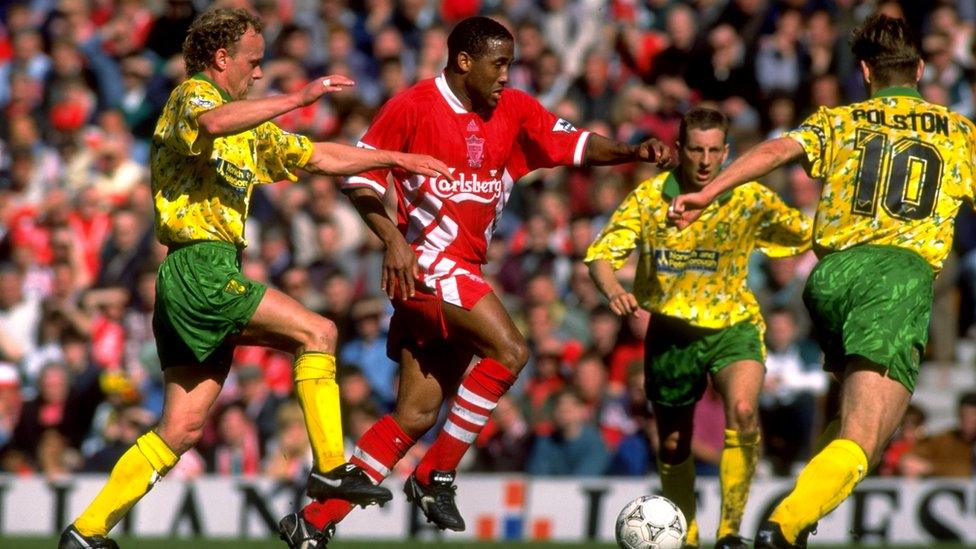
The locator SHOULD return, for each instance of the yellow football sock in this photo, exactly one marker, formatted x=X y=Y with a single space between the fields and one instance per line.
x=822 y=485
x=678 y=485
x=735 y=476
x=318 y=394
x=148 y=460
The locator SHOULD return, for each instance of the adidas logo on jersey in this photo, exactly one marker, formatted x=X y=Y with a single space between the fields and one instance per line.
x=472 y=126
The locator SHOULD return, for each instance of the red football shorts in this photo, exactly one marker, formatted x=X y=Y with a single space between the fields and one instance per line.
x=420 y=319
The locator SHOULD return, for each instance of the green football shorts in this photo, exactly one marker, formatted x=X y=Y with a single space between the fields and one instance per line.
x=873 y=302
x=201 y=298
x=678 y=357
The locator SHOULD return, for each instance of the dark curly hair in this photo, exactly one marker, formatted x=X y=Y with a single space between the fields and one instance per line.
x=475 y=36
x=889 y=47
x=213 y=30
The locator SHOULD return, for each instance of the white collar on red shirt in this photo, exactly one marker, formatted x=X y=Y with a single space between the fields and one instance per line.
x=448 y=95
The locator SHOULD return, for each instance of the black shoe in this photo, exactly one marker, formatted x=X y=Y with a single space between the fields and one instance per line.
x=770 y=536
x=347 y=482
x=71 y=538
x=801 y=538
x=436 y=500
x=731 y=541
x=298 y=533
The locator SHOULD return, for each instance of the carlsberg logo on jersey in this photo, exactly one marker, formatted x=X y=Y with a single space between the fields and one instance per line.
x=467 y=187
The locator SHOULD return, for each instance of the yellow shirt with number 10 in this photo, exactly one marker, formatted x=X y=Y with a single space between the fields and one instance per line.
x=895 y=169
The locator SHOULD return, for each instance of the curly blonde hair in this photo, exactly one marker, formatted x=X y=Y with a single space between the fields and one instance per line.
x=213 y=30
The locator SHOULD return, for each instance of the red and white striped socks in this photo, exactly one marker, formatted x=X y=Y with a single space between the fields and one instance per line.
x=376 y=452
x=385 y=443
x=476 y=398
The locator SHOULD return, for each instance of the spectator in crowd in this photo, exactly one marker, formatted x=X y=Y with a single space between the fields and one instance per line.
x=637 y=453
x=237 y=451
x=367 y=351
x=260 y=403
x=289 y=457
x=950 y=453
x=11 y=401
x=121 y=432
x=46 y=411
x=19 y=316
x=910 y=432
x=793 y=383
x=608 y=411
x=575 y=447
x=505 y=443
x=780 y=62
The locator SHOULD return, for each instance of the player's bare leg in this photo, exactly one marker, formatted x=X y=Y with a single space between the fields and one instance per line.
x=190 y=393
x=490 y=333
x=427 y=376
x=675 y=463
x=872 y=406
x=739 y=384
x=283 y=323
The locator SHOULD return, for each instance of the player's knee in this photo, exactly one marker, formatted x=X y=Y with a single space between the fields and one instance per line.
x=744 y=416
x=674 y=448
x=319 y=334
x=415 y=422
x=181 y=434
x=513 y=354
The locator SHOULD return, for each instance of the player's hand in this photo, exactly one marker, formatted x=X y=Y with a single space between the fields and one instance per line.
x=321 y=86
x=624 y=304
x=400 y=269
x=654 y=150
x=686 y=208
x=423 y=164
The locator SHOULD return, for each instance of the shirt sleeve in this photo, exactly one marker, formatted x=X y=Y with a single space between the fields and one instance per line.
x=279 y=153
x=195 y=98
x=783 y=231
x=620 y=235
x=390 y=131
x=814 y=136
x=546 y=140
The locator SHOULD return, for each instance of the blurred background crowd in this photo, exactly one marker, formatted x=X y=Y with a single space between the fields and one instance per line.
x=81 y=85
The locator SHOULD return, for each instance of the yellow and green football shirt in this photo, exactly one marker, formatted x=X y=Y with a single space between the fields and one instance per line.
x=895 y=169
x=202 y=193
x=699 y=274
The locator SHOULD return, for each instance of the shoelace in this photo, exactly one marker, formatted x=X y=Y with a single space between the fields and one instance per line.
x=445 y=494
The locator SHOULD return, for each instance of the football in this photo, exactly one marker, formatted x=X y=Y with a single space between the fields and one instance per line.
x=651 y=522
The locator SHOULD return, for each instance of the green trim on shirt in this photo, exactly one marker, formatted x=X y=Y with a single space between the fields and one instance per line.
x=223 y=94
x=672 y=189
x=897 y=91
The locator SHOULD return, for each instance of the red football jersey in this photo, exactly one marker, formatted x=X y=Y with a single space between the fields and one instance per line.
x=451 y=221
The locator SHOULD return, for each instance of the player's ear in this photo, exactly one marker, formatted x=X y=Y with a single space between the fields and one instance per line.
x=865 y=71
x=464 y=61
x=919 y=70
x=220 y=58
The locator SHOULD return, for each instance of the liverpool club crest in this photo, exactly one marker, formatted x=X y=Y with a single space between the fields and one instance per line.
x=476 y=150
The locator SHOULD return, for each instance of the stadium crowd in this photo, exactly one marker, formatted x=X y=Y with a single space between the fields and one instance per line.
x=81 y=85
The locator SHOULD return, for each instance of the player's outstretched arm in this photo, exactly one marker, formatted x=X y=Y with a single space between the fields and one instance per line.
x=338 y=159
x=601 y=151
x=245 y=114
x=621 y=301
x=399 y=261
x=759 y=161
